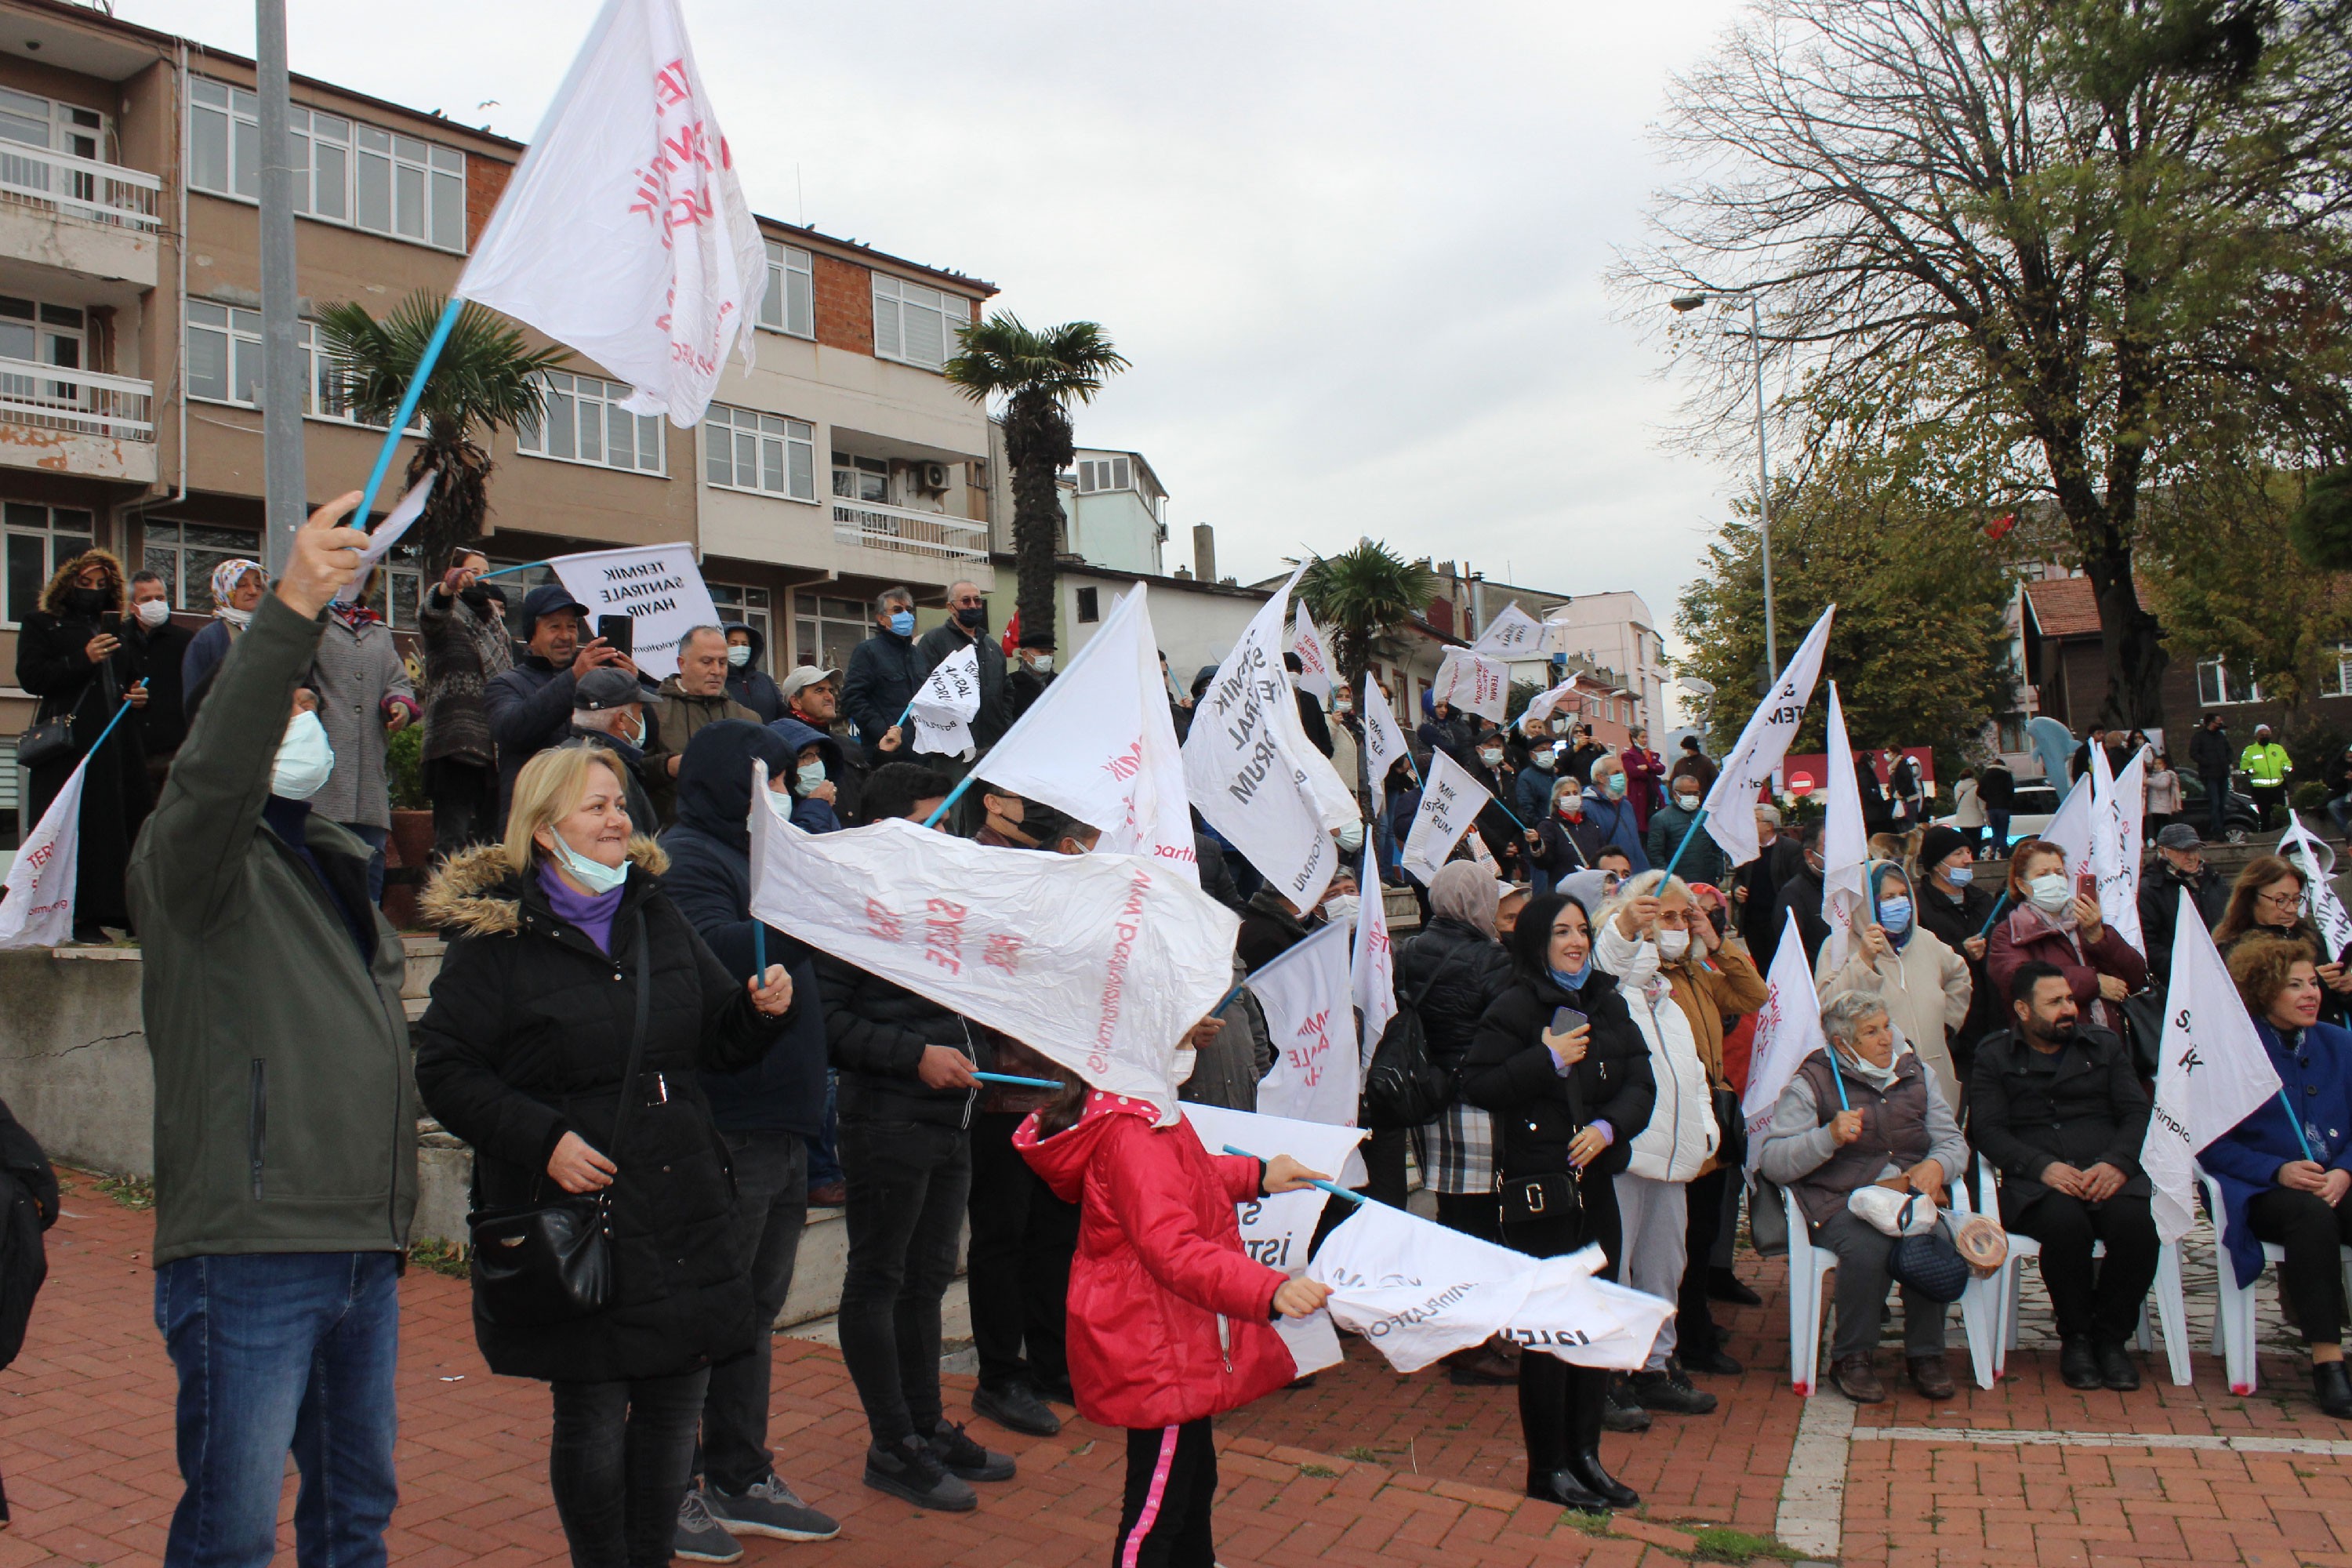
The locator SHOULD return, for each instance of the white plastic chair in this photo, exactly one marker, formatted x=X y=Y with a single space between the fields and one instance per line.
x=1808 y=1302
x=2171 y=1309
x=2233 y=1318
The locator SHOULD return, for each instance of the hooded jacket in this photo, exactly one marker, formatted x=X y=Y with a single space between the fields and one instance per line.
x=809 y=815
x=52 y=666
x=466 y=649
x=709 y=880
x=1925 y=985
x=1170 y=1320
x=749 y=685
x=527 y=1038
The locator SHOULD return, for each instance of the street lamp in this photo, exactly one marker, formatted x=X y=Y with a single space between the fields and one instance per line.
x=1687 y=303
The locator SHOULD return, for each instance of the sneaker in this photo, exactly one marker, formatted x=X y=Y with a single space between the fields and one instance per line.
x=1620 y=1413
x=700 y=1538
x=966 y=1459
x=911 y=1471
x=1016 y=1408
x=767 y=1507
x=1670 y=1393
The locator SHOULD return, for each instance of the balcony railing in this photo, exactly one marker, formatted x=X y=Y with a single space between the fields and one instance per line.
x=79 y=187
x=50 y=397
x=931 y=534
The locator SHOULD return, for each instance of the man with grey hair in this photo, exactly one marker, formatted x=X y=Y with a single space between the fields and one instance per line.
x=1866 y=1112
x=966 y=626
x=695 y=696
x=608 y=710
x=885 y=673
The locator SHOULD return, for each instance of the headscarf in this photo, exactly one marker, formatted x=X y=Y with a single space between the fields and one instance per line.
x=1467 y=891
x=226 y=576
x=1880 y=871
x=1584 y=887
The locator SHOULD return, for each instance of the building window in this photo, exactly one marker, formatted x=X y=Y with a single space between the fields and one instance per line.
x=2336 y=676
x=744 y=449
x=37 y=332
x=40 y=539
x=1104 y=474
x=825 y=629
x=1089 y=605
x=224 y=353
x=2219 y=686
x=790 y=304
x=861 y=479
x=34 y=121
x=185 y=554
x=397 y=591
x=746 y=607
x=346 y=171
x=916 y=325
x=586 y=424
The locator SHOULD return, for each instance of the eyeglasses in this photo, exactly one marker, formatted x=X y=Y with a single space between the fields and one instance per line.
x=2280 y=900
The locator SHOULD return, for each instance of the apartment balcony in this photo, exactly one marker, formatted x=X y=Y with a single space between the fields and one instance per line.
x=930 y=535
x=78 y=216
x=76 y=422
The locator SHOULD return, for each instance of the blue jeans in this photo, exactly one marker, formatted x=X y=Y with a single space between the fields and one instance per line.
x=1997 y=824
x=824 y=1152
x=375 y=839
x=279 y=1351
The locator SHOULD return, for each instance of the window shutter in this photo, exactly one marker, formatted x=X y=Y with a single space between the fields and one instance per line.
x=886 y=337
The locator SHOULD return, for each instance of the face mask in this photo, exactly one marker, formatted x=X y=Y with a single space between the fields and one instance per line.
x=1342 y=911
x=1491 y=758
x=1688 y=801
x=1673 y=944
x=87 y=601
x=153 y=612
x=738 y=654
x=811 y=776
x=1040 y=664
x=1575 y=982
x=236 y=618
x=1572 y=805
x=903 y=623
x=972 y=617
x=1616 y=785
x=1894 y=916
x=304 y=759
x=1351 y=838
x=1343 y=708
x=2050 y=893
x=1961 y=876
x=1542 y=759
x=594 y=875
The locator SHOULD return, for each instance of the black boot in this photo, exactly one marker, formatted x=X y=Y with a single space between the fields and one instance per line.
x=1587 y=1396
x=1621 y=1411
x=2078 y=1363
x=2331 y=1385
x=1543 y=1421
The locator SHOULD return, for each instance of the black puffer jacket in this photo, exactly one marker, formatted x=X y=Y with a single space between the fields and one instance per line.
x=1510 y=1073
x=526 y=1040
x=877 y=1031
x=1465 y=971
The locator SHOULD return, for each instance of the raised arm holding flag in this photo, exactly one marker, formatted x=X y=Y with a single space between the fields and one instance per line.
x=1728 y=812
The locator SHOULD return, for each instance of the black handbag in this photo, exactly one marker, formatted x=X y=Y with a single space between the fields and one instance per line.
x=1928 y=1262
x=1539 y=1200
x=2143 y=1016
x=1402 y=1088
x=50 y=741
x=1731 y=1127
x=551 y=1262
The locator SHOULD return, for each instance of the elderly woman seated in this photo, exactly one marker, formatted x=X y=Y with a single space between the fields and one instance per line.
x=1866 y=1111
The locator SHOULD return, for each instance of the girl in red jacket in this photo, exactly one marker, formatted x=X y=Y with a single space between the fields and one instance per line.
x=1170 y=1320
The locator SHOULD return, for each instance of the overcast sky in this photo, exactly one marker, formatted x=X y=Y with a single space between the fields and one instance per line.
x=1355 y=251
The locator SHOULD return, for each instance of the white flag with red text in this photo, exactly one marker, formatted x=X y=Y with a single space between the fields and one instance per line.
x=1469 y=682
x=946 y=702
x=1372 y=968
x=1315 y=673
x=1101 y=745
x=1513 y=634
x=2211 y=1073
x=1730 y=805
x=624 y=233
x=1102 y=963
x=1384 y=741
x=1316 y=1074
x=1845 y=844
x=1788 y=1030
x=2319 y=899
x=36 y=903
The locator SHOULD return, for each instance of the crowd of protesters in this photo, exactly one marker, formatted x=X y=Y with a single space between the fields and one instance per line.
x=1588 y=972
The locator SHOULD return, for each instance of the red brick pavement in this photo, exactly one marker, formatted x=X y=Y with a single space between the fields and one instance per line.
x=1367 y=1468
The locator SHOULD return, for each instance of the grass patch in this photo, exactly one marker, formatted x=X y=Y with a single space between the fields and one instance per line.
x=1589 y=1523
x=130 y=1192
x=444 y=1257
x=1718 y=1543
x=1324 y=1472
x=1362 y=1454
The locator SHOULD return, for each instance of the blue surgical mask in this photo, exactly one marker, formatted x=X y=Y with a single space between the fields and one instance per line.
x=1616 y=785
x=592 y=874
x=903 y=622
x=1573 y=981
x=1894 y=915
x=1961 y=876
x=811 y=776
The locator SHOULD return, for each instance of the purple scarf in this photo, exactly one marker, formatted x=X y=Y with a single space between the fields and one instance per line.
x=591 y=913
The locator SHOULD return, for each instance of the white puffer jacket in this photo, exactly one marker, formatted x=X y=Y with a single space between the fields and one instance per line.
x=1682 y=1136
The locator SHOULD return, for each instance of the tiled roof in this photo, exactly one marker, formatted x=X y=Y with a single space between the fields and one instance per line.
x=2064 y=607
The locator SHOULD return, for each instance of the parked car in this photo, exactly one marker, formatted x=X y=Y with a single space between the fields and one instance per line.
x=2037 y=801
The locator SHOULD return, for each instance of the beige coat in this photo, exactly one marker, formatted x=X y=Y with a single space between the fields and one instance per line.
x=1925 y=987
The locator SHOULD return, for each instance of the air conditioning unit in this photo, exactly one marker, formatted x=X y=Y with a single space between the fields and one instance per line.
x=931 y=476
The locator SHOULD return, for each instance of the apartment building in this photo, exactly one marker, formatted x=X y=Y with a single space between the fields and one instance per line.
x=131 y=380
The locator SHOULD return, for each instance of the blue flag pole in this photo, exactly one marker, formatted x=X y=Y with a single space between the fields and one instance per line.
x=953 y=795
x=2300 y=1135
x=110 y=723
x=760 y=951
x=505 y=571
x=1997 y=904
x=1334 y=1188
x=425 y=362
x=1016 y=1081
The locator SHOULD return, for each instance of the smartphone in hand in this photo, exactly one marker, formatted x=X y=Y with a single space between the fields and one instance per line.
x=618 y=633
x=1564 y=1019
x=2087 y=886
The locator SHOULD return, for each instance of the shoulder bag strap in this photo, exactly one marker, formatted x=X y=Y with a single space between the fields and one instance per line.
x=636 y=1044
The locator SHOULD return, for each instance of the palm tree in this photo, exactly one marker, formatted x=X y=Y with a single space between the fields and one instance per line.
x=1361 y=596
x=487 y=374
x=1039 y=373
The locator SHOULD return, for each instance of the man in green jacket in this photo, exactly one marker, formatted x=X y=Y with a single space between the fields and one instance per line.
x=2266 y=765
x=285 y=1106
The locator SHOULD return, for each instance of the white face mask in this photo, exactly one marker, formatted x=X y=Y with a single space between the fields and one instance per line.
x=1491 y=758
x=594 y=875
x=1040 y=663
x=2050 y=893
x=738 y=654
x=304 y=759
x=1688 y=801
x=239 y=618
x=153 y=612
x=1341 y=911
x=1673 y=944
x=811 y=776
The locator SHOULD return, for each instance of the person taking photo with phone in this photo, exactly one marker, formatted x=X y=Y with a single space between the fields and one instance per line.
x=2053 y=919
